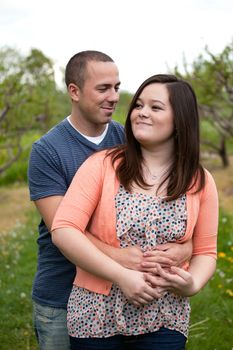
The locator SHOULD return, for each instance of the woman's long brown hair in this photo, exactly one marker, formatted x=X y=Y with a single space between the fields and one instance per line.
x=186 y=170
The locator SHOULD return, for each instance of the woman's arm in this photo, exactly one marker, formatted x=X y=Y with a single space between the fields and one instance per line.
x=78 y=249
x=203 y=262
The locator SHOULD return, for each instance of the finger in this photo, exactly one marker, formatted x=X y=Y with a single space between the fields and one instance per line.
x=148 y=264
x=151 y=270
x=142 y=300
x=181 y=272
x=155 y=293
x=161 y=290
x=156 y=281
x=173 y=278
x=151 y=291
x=162 y=247
x=157 y=259
x=135 y=303
x=152 y=253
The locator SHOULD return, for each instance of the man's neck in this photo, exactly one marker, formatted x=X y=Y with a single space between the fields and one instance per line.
x=88 y=129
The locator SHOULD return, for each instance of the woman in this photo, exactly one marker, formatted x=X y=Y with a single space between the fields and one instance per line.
x=152 y=190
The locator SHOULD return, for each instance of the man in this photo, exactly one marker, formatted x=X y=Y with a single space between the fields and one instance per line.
x=92 y=81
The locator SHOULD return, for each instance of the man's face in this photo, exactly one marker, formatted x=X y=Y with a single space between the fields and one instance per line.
x=98 y=97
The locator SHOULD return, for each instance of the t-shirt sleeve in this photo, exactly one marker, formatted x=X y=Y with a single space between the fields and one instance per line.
x=45 y=174
x=82 y=197
x=206 y=229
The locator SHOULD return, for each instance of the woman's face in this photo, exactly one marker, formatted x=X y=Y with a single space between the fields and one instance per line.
x=152 y=118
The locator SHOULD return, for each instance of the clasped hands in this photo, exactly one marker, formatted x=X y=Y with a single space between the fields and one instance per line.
x=151 y=274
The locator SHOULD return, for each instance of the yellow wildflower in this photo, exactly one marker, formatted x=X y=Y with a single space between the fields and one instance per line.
x=229 y=292
x=221 y=255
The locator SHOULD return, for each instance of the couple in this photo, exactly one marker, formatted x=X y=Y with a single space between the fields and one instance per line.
x=131 y=202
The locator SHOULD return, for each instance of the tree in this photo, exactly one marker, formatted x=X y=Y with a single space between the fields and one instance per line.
x=123 y=106
x=27 y=97
x=212 y=80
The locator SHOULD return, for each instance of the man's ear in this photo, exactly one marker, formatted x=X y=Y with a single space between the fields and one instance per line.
x=73 y=91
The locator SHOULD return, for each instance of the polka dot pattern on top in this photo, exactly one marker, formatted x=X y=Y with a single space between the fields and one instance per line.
x=146 y=221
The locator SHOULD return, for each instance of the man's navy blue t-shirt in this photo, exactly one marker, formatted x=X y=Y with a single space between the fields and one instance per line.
x=54 y=160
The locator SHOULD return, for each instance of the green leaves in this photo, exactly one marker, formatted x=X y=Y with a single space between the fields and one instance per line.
x=29 y=99
x=212 y=79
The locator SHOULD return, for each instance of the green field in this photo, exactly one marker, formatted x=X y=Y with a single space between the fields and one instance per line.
x=212 y=309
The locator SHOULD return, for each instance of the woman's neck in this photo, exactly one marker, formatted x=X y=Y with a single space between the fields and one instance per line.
x=158 y=158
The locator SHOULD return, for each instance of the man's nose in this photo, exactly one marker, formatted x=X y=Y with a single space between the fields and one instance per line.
x=114 y=95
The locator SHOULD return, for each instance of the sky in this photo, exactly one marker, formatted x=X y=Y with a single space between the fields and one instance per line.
x=144 y=37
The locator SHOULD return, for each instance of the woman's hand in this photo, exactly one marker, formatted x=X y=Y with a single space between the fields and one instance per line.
x=135 y=287
x=182 y=282
x=175 y=280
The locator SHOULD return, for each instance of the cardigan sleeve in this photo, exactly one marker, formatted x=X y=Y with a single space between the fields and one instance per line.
x=206 y=228
x=82 y=197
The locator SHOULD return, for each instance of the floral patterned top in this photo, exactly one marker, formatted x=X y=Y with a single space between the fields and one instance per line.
x=143 y=220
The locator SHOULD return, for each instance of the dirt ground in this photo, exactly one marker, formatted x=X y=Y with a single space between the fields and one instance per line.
x=224 y=182
x=14 y=201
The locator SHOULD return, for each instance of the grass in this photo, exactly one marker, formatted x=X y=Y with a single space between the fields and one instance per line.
x=212 y=308
x=18 y=263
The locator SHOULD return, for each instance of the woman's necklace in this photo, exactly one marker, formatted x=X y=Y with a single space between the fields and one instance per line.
x=153 y=176
x=157 y=177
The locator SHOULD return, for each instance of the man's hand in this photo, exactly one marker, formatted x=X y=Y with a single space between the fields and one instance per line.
x=129 y=257
x=168 y=254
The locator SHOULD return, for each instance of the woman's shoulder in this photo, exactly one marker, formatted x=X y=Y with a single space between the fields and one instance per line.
x=209 y=184
x=209 y=178
x=98 y=155
x=99 y=160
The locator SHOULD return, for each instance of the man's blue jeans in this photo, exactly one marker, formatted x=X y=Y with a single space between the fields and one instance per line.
x=50 y=327
x=163 y=339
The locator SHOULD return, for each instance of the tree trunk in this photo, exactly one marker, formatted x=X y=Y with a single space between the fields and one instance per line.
x=223 y=153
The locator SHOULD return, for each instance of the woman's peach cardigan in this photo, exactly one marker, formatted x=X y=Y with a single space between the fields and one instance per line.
x=89 y=205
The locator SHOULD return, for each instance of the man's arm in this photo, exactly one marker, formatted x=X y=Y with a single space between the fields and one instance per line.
x=130 y=257
x=47 y=208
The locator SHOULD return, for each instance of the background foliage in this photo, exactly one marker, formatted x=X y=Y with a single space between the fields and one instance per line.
x=30 y=104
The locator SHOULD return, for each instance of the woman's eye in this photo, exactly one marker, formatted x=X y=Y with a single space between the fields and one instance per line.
x=137 y=105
